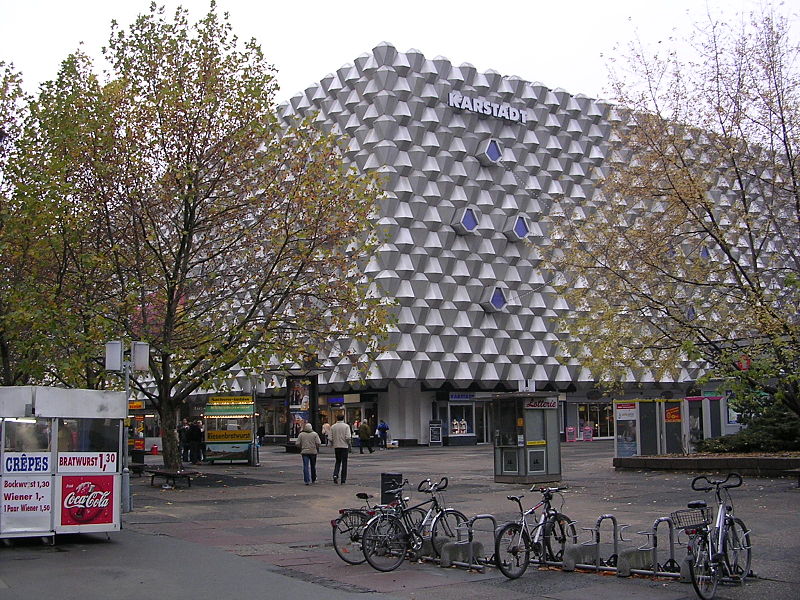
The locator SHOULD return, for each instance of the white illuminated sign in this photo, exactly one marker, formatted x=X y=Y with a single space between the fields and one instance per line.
x=484 y=107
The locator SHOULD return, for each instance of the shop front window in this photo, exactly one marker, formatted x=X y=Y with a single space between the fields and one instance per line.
x=462 y=421
x=598 y=416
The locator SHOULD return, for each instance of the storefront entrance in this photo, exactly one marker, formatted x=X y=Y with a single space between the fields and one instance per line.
x=465 y=419
x=598 y=416
x=354 y=407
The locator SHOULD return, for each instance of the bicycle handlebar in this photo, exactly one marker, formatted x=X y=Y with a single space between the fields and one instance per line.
x=544 y=490
x=721 y=483
x=427 y=487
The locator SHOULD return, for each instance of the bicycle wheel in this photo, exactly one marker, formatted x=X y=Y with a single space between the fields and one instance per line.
x=347 y=532
x=512 y=550
x=445 y=528
x=559 y=531
x=704 y=573
x=737 y=550
x=384 y=542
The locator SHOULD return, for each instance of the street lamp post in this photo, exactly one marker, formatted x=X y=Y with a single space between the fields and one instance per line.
x=115 y=361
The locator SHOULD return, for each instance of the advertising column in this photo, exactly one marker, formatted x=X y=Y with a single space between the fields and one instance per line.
x=626 y=419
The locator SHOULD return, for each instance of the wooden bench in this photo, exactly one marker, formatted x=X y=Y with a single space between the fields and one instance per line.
x=795 y=473
x=172 y=475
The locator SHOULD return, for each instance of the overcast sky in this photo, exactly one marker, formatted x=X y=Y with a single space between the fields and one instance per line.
x=559 y=43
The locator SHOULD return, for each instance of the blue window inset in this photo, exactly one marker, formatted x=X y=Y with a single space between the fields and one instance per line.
x=493 y=151
x=498 y=298
x=521 y=228
x=468 y=220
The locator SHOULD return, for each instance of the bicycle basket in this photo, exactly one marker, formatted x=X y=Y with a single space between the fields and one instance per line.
x=691 y=517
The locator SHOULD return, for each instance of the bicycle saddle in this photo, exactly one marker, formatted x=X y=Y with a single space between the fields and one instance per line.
x=696 y=504
x=364 y=496
x=516 y=498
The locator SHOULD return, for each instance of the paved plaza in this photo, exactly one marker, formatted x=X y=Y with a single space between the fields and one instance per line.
x=259 y=532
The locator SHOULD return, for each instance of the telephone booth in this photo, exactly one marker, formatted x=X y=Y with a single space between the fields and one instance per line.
x=60 y=460
x=526 y=438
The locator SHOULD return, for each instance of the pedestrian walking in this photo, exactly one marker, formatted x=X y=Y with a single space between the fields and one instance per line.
x=365 y=437
x=326 y=433
x=383 y=433
x=309 y=443
x=340 y=438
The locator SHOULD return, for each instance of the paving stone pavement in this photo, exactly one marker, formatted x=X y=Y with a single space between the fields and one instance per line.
x=262 y=528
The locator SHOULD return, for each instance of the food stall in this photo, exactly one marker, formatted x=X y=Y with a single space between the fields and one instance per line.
x=229 y=428
x=60 y=460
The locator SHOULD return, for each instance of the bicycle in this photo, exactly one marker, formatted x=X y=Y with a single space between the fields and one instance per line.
x=348 y=529
x=390 y=536
x=517 y=540
x=722 y=550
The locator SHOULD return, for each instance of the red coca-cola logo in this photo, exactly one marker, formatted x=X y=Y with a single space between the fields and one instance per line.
x=87 y=500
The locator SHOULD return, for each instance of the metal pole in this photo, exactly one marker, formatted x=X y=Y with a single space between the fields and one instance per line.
x=127 y=499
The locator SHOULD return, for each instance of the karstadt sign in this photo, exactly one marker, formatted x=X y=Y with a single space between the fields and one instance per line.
x=484 y=107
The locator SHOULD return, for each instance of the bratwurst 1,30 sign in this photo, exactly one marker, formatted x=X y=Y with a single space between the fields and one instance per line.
x=87 y=462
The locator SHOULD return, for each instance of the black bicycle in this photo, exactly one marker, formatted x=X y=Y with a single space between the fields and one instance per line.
x=720 y=548
x=348 y=528
x=392 y=535
x=545 y=539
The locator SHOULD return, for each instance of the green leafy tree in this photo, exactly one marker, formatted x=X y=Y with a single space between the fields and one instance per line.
x=687 y=260
x=226 y=240
x=68 y=134
x=19 y=347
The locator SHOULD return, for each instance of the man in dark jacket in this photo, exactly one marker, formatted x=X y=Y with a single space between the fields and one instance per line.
x=365 y=436
x=195 y=438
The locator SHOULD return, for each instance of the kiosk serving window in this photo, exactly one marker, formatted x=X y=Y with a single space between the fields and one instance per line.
x=27 y=435
x=88 y=435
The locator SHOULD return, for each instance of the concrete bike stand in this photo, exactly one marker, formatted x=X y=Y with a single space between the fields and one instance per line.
x=586 y=555
x=467 y=552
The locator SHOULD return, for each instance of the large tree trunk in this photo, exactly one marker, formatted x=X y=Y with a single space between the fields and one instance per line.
x=169 y=438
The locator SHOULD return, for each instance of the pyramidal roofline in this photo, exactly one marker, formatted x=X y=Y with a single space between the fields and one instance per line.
x=385 y=54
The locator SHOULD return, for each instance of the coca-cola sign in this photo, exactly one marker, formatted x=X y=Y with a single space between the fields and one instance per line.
x=87 y=499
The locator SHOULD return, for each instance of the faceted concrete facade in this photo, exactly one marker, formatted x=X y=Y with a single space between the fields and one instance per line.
x=475 y=164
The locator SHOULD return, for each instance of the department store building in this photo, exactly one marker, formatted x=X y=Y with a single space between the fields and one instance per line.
x=475 y=165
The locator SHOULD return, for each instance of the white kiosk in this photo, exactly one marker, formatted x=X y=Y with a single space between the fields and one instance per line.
x=60 y=460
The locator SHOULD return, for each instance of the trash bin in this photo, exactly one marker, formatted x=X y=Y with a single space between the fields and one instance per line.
x=390 y=481
x=137 y=457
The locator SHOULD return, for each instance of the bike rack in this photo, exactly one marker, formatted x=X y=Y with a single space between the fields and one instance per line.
x=670 y=568
x=599 y=564
x=473 y=562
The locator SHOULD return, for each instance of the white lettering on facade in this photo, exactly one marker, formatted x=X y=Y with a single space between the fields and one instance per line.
x=481 y=106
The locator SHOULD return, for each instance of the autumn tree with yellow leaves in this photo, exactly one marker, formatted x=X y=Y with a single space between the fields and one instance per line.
x=690 y=251
x=191 y=218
